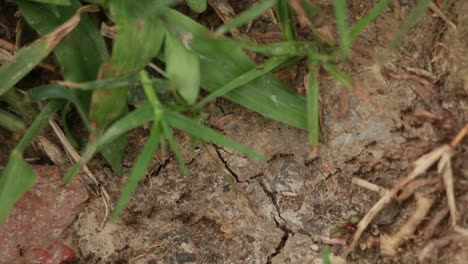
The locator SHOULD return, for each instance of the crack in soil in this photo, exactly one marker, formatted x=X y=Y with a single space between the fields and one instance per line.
x=226 y=165
x=161 y=166
x=279 y=223
x=282 y=226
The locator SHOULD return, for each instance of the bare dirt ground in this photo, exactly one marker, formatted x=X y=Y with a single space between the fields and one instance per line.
x=231 y=209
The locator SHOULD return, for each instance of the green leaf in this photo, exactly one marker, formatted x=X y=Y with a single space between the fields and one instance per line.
x=17 y=178
x=245 y=78
x=139 y=39
x=183 y=68
x=59 y=92
x=25 y=60
x=138 y=170
x=369 y=17
x=81 y=54
x=326 y=255
x=205 y=133
x=222 y=61
x=342 y=26
x=11 y=122
x=197 y=5
x=246 y=16
x=313 y=125
x=285 y=17
x=115 y=82
x=20 y=106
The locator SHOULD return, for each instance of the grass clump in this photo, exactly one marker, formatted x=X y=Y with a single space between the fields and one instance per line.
x=99 y=83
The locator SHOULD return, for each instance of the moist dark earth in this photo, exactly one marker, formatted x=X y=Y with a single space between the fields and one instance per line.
x=231 y=209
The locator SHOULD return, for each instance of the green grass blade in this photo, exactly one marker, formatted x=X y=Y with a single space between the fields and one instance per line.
x=197 y=5
x=25 y=60
x=338 y=75
x=134 y=119
x=17 y=178
x=173 y=145
x=313 y=124
x=81 y=54
x=222 y=61
x=326 y=255
x=38 y=124
x=182 y=68
x=205 y=133
x=139 y=39
x=59 y=92
x=11 y=122
x=342 y=26
x=138 y=170
x=20 y=106
x=283 y=9
x=115 y=82
x=369 y=17
x=249 y=76
x=410 y=21
x=290 y=48
x=246 y=16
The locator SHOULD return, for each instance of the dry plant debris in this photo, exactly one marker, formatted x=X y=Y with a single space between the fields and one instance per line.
x=389 y=244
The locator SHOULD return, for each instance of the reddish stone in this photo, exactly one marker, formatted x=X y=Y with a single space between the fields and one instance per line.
x=31 y=231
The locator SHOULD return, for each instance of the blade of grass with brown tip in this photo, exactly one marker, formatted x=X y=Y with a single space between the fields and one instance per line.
x=27 y=58
x=140 y=29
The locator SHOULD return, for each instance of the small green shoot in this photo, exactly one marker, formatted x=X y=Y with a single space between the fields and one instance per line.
x=342 y=26
x=313 y=124
x=198 y=6
x=246 y=16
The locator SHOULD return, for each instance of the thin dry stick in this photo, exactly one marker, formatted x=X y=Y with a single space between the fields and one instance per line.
x=390 y=244
x=421 y=165
x=76 y=157
x=368 y=185
x=439 y=13
x=445 y=168
x=459 y=137
x=461 y=231
x=429 y=229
